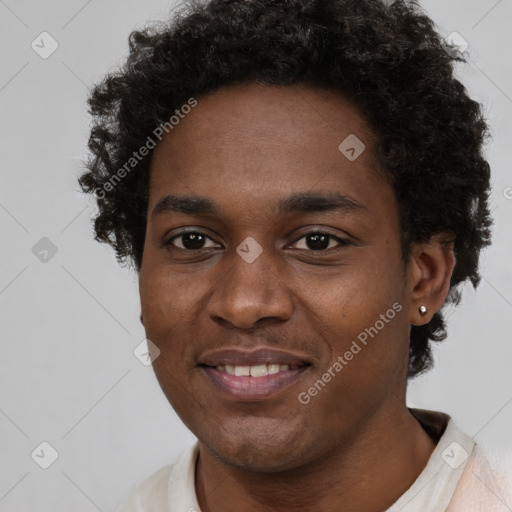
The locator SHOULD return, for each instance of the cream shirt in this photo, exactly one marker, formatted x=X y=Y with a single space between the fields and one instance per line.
x=457 y=478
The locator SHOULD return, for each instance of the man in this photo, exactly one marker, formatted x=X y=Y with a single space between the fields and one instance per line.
x=287 y=178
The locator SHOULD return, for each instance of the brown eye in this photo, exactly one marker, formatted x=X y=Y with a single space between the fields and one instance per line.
x=319 y=241
x=190 y=240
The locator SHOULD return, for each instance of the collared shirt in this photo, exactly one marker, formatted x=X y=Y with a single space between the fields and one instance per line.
x=457 y=478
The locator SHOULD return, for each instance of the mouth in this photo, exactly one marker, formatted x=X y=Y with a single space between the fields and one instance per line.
x=256 y=371
x=250 y=383
x=252 y=376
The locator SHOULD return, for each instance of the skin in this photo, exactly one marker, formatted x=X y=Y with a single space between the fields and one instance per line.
x=354 y=445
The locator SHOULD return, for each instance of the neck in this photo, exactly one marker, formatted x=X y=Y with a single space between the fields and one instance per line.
x=369 y=473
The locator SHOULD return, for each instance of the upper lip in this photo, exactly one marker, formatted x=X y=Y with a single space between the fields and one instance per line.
x=239 y=357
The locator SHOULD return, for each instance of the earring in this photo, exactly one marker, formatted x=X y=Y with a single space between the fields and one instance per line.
x=422 y=310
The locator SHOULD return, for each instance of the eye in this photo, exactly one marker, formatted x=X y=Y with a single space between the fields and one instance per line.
x=190 y=240
x=313 y=240
x=320 y=241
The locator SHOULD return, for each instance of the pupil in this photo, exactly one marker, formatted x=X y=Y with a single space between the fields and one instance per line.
x=193 y=240
x=315 y=242
x=318 y=241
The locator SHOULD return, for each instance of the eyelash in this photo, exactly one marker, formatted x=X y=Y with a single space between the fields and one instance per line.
x=343 y=242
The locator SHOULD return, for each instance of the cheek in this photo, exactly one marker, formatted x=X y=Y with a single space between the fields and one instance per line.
x=167 y=296
x=368 y=361
x=172 y=305
x=361 y=314
x=356 y=294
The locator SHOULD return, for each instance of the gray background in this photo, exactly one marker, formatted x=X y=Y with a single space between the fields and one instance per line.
x=69 y=325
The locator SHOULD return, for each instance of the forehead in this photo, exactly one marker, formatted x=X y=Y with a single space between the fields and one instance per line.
x=265 y=140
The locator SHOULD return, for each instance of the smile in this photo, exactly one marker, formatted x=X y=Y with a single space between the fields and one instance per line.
x=253 y=383
x=260 y=370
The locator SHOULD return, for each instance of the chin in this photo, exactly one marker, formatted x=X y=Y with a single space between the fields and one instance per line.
x=250 y=456
x=266 y=447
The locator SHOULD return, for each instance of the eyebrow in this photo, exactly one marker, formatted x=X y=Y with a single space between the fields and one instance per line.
x=306 y=202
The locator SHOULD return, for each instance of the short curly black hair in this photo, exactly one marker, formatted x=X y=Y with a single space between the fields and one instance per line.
x=386 y=57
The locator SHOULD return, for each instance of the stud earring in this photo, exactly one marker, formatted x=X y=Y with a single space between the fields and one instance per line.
x=422 y=310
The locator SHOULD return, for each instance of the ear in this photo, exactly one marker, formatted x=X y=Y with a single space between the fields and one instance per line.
x=429 y=273
x=141 y=319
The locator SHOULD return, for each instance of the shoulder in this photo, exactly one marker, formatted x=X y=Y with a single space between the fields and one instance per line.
x=151 y=494
x=169 y=489
x=484 y=485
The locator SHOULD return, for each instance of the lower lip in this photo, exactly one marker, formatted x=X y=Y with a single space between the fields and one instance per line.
x=253 y=388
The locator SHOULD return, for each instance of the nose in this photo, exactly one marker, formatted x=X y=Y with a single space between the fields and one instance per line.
x=248 y=295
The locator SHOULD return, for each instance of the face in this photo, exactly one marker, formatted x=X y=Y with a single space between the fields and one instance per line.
x=275 y=255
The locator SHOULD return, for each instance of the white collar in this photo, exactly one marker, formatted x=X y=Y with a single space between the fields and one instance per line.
x=432 y=490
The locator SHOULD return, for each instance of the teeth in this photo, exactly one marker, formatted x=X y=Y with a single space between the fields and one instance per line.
x=260 y=370
x=242 y=371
